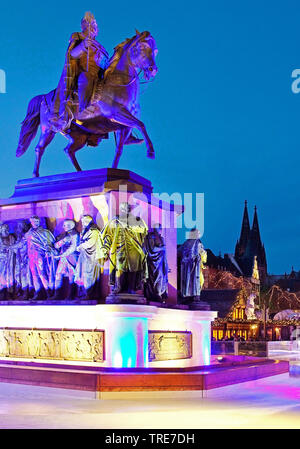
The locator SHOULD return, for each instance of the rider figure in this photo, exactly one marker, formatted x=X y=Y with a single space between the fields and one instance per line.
x=86 y=60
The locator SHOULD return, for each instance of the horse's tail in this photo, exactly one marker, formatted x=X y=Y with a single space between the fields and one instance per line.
x=30 y=124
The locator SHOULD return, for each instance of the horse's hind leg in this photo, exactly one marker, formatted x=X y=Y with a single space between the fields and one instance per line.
x=45 y=138
x=76 y=142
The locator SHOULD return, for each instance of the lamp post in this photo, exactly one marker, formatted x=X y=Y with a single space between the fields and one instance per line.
x=265 y=324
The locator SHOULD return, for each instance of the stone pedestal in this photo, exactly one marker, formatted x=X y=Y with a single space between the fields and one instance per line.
x=194 y=303
x=125 y=298
x=199 y=305
x=108 y=335
x=112 y=335
x=96 y=193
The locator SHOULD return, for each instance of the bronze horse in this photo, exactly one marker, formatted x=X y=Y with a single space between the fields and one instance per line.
x=114 y=106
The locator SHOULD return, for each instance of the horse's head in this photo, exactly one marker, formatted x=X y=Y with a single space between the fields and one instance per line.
x=142 y=52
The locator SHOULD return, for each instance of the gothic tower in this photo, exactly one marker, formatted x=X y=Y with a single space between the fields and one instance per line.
x=241 y=244
x=250 y=247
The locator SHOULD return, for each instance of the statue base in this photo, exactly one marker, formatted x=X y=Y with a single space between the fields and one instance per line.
x=106 y=335
x=97 y=193
x=125 y=298
x=194 y=303
x=199 y=305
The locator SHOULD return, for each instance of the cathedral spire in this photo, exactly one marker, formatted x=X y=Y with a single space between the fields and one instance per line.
x=255 y=229
x=254 y=249
x=245 y=232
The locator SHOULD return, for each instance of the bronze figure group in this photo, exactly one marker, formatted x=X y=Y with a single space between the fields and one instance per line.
x=34 y=264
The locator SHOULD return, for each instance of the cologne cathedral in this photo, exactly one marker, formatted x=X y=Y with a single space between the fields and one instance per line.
x=249 y=255
x=249 y=246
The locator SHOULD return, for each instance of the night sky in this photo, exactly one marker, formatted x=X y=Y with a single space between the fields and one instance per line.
x=221 y=112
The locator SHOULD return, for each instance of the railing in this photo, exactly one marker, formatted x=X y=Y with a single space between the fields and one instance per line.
x=293 y=345
x=253 y=348
x=222 y=347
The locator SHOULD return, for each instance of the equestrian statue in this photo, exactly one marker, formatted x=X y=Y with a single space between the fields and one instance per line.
x=95 y=96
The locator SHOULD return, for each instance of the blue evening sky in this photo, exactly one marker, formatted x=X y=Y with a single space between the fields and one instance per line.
x=221 y=112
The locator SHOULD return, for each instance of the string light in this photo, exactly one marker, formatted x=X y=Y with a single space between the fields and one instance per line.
x=216 y=279
x=283 y=299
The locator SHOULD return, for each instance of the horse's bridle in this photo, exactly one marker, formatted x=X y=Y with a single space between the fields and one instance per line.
x=135 y=78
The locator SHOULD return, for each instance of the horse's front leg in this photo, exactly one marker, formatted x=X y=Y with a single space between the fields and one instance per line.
x=44 y=140
x=124 y=117
x=121 y=137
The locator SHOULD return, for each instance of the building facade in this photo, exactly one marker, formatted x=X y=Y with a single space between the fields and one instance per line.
x=232 y=284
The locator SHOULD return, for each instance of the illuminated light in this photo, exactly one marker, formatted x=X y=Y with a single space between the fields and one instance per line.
x=130 y=340
x=205 y=346
x=10 y=207
x=117 y=363
x=51 y=222
x=142 y=344
x=279 y=297
x=99 y=202
x=126 y=337
x=206 y=356
x=58 y=317
x=77 y=208
x=224 y=279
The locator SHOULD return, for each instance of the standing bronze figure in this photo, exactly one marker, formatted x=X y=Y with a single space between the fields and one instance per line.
x=123 y=238
x=41 y=252
x=156 y=285
x=88 y=268
x=67 y=243
x=192 y=259
x=22 y=277
x=7 y=241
